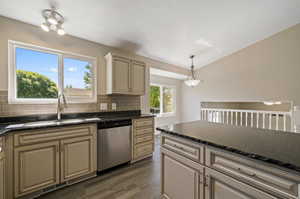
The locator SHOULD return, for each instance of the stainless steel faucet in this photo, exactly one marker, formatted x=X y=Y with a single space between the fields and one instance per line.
x=59 y=105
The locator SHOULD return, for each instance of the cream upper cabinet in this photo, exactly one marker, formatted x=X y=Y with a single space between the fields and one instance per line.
x=36 y=167
x=121 y=75
x=2 y=172
x=124 y=75
x=181 y=178
x=220 y=186
x=77 y=157
x=138 y=78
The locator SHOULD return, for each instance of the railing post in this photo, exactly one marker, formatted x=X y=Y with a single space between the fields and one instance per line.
x=257 y=120
x=270 y=121
x=284 y=122
x=264 y=117
x=277 y=121
x=241 y=118
x=251 y=119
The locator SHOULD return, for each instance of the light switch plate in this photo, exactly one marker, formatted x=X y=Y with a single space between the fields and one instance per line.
x=103 y=106
x=114 y=106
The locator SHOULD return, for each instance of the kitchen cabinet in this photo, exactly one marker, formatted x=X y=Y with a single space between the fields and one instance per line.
x=36 y=167
x=138 y=78
x=142 y=138
x=46 y=159
x=227 y=175
x=2 y=172
x=220 y=186
x=77 y=158
x=179 y=172
x=124 y=75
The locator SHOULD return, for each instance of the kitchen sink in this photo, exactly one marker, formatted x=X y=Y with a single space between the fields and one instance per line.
x=41 y=123
x=51 y=122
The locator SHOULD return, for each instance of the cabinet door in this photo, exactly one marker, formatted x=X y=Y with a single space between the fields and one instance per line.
x=137 y=78
x=78 y=157
x=181 y=178
x=121 y=75
x=2 y=174
x=36 y=167
x=220 y=186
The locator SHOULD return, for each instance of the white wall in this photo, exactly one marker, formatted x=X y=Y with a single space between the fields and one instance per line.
x=266 y=70
x=172 y=82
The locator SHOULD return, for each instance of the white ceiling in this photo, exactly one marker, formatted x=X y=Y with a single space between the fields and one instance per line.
x=167 y=30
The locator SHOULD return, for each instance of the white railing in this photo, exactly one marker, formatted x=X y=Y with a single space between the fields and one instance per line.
x=275 y=120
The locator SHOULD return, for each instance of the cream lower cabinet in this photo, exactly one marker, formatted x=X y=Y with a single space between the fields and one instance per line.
x=36 y=167
x=181 y=177
x=77 y=158
x=142 y=138
x=2 y=178
x=49 y=158
x=220 y=186
x=2 y=172
x=223 y=175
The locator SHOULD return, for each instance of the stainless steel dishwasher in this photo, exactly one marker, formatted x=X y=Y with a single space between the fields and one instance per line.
x=114 y=143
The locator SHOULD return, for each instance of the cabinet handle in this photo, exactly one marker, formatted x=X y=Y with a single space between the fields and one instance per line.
x=181 y=148
x=207 y=181
x=1 y=149
x=246 y=173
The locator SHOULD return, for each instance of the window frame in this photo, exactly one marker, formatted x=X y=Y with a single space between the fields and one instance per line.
x=12 y=87
x=161 y=86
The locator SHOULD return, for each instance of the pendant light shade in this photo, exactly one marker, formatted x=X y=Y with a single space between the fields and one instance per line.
x=192 y=81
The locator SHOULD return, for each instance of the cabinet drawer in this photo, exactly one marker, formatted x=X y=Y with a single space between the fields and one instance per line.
x=270 y=179
x=144 y=131
x=189 y=150
x=45 y=135
x=141 y=150
x=144 y=138
x=143 y=123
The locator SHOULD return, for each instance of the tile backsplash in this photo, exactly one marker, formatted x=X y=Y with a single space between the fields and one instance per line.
x=123 y=103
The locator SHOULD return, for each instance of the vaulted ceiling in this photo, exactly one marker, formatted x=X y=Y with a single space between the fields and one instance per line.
x=167 y=30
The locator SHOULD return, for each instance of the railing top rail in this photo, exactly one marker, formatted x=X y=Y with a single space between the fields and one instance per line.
x=247 y=111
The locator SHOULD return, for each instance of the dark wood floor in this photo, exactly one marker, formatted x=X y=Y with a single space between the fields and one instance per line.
x=137 y=181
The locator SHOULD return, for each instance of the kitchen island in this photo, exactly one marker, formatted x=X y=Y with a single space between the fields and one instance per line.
x=217 y=161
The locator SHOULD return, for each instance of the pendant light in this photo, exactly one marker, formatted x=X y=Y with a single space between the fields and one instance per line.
x=192 y=81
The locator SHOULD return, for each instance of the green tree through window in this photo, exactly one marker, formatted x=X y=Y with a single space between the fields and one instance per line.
x=155 y=99
x=35 y=85
x=162 y=99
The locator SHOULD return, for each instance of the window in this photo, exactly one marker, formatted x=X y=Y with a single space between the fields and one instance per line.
x=37 y=75
x=162 y=99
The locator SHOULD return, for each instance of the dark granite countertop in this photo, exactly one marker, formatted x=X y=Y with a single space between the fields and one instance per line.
x=11 y=124
x=273 y=147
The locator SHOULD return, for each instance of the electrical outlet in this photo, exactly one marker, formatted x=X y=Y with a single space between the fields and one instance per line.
x=103 y=106
x=114 y=106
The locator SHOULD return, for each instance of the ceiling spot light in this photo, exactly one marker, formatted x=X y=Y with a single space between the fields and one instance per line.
x=53 y=21
x=61 y=31
x=45 y=27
